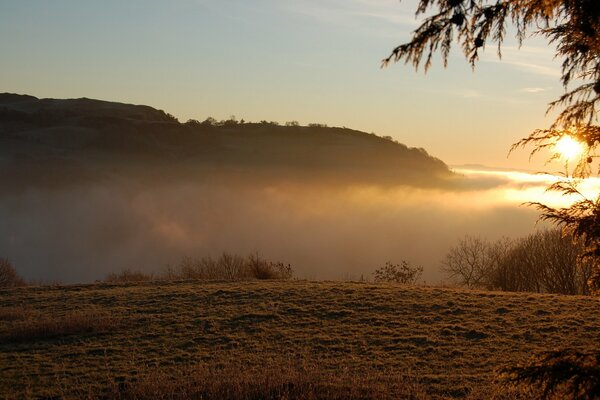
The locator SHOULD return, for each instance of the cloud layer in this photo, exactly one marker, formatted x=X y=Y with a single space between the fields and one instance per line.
x=324 y=231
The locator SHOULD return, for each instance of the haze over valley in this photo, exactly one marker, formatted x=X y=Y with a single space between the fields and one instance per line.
x=91 y=187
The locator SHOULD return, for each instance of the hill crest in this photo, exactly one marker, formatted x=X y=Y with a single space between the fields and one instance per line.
x=92 y=133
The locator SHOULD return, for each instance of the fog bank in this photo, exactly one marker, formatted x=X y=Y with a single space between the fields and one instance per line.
x=79 y=234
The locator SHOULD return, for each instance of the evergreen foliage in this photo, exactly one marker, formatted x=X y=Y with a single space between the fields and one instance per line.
x=574 y=27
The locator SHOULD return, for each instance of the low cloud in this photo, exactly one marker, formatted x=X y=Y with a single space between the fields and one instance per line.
x=325 y=231
x=529 y=58
x=355 y=13
x=533 y=90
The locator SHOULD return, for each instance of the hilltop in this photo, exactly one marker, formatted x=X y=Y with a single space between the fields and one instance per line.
x=52 y=140
x=448 y=342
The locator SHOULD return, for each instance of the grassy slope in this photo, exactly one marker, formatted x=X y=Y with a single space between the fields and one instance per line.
x=448 y=339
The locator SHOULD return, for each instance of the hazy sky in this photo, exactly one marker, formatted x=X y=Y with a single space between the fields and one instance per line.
x=282 y=60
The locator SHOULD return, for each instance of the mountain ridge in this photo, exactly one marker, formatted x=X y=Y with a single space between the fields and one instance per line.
x=90 y=134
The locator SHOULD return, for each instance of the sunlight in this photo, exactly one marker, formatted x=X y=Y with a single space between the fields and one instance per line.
x=568 y=148
x=519 y=187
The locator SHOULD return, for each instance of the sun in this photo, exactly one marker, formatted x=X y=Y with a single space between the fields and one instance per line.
x=568 y=148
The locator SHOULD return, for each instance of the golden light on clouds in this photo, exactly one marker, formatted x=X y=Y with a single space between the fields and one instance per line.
x=515 y=187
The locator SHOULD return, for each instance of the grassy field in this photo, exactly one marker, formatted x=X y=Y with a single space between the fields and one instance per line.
x=106 y=339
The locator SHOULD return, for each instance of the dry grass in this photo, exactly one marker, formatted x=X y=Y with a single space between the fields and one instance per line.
x=14 y=313
x=273 y=380
x=451 y=342
x=23 y=325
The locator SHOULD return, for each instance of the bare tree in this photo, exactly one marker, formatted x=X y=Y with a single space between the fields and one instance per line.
x=8 y=275
x=469 y=262
x=545 y=261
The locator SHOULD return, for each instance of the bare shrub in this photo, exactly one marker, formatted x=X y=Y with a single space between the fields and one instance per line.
x=190 y=268
x=8 y=275
x=31 y=325
x=128 y=275
x=228 y=267
x=470 y=262
x=543 y=262
x=282 y=271
x=232 y=267
x=398 y=273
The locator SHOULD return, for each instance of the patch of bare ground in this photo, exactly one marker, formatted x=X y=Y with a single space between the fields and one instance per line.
x=446 y=342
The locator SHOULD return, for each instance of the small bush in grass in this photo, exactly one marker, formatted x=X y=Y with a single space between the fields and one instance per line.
x=283 y=271
x=8 y=275
x=128 y=275
x=260 y=268
x=398 y=273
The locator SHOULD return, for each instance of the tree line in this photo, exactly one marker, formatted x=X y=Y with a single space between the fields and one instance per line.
x=233 y=121
x=543 y=262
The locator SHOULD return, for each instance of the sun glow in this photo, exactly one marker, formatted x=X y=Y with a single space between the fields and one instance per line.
x=568 y=148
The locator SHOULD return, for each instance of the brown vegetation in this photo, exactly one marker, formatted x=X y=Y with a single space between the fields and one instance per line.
x=274 y=380
x=24 y=325
x=227 y=267
x=8 y=275
x=543 y=262
x=128 y=275
x=403 y=273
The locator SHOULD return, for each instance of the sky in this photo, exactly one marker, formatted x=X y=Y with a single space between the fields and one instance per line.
x=281 y=60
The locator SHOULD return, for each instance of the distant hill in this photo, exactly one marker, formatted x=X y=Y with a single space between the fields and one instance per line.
x=57 y=141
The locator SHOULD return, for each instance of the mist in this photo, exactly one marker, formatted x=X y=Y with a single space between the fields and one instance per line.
x=80 y=233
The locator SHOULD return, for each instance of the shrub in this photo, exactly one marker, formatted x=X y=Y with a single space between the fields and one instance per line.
x=231 y=267
x=8 y=275
x=545 y=261
x=398 y=273
x=283 y=271
x=259 y=268
x=128 y=275
x=228 y=267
